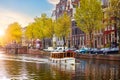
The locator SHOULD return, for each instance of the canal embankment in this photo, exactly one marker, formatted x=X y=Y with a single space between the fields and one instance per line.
x=36 y=51
x=23 y=50
x=114 y=57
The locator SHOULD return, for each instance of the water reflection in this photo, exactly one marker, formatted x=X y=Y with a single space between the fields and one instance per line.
x=20 y=69
x=98 y=70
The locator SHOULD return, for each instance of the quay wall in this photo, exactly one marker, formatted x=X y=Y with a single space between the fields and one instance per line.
x=115 y=57
x=35 y=51
x=24 y=50
x=99 y=56
x=16 y=50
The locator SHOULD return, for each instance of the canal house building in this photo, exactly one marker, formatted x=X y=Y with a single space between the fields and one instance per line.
x=107 y=35
x=110 y=30
x=77 y=38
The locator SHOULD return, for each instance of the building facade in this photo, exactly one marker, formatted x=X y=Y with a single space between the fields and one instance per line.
x=77 y=38
x=110 y=30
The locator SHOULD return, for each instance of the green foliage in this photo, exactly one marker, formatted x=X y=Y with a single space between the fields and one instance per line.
x=112 y=11
x=29 y=33
x=14 y=32
x=63 y=25
x=46 y=26
x=89 y=17
x=115 y=8
x=49 y=28
x=41 y=28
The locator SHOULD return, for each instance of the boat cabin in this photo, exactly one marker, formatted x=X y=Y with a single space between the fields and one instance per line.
x=62 y=54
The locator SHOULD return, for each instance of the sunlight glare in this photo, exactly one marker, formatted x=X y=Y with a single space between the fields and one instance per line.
x=2 y=32
x=1 y=55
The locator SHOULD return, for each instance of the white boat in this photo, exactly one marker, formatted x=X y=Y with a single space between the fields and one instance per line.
x=67 y=58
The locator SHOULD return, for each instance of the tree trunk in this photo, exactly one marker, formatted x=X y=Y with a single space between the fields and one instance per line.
x=91 y=39
x=64 y=43
x=43 y=43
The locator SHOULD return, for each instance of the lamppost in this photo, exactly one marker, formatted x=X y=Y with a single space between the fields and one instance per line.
x=68 y=43
x=54 y=41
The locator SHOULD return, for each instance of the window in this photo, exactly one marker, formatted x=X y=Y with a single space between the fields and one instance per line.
x=75 y=30
x=104 y=3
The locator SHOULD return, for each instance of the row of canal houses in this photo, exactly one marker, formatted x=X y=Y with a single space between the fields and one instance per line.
x=78 y=38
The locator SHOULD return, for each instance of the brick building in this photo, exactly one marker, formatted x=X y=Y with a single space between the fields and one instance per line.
x=77 y=38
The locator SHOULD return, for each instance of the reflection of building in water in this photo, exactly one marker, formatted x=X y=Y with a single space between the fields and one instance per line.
x=98 y=70
x=90 y=70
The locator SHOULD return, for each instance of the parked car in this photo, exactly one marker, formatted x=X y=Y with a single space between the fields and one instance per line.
x=103 y=50
x=110 y=50
x=49 y=49
x=70 y=49
x=82 y=50
x=59 y=49
x=95 y=51
x=115 y=50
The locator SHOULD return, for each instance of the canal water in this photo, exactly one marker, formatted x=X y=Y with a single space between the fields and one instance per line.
x=37 y=67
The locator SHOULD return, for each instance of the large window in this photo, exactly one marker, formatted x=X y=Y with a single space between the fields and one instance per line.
x=104 y=3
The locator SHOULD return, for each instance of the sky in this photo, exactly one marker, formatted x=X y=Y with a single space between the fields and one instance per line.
x=23 y=11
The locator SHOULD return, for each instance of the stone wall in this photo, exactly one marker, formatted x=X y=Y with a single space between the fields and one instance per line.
x=97 y=56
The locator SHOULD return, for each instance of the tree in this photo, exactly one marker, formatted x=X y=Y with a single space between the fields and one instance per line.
x=49 y=28
x=14 y=32
x=115 y=8
x=62 y=28
x=46 y=27
x=30 y=31
x=89 y=17
x=114 y=11
x=41 y=28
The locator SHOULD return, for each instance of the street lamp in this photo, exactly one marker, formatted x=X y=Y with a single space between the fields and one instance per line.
x=68 y=43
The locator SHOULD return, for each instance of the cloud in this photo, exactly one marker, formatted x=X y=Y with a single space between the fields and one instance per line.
x=7 y=17
x=54 y=2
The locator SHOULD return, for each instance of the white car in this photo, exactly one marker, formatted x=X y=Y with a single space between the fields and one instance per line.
x=49 y=49
x=59 y=49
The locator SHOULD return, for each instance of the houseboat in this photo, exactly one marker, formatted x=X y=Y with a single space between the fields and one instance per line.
x=63 y=57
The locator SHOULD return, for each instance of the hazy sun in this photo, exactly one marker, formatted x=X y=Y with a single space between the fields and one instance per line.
x=2 y=32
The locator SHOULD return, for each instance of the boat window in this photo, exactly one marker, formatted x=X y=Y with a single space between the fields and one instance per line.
x=68 y=54
x=64 y=54
x=61 y=55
